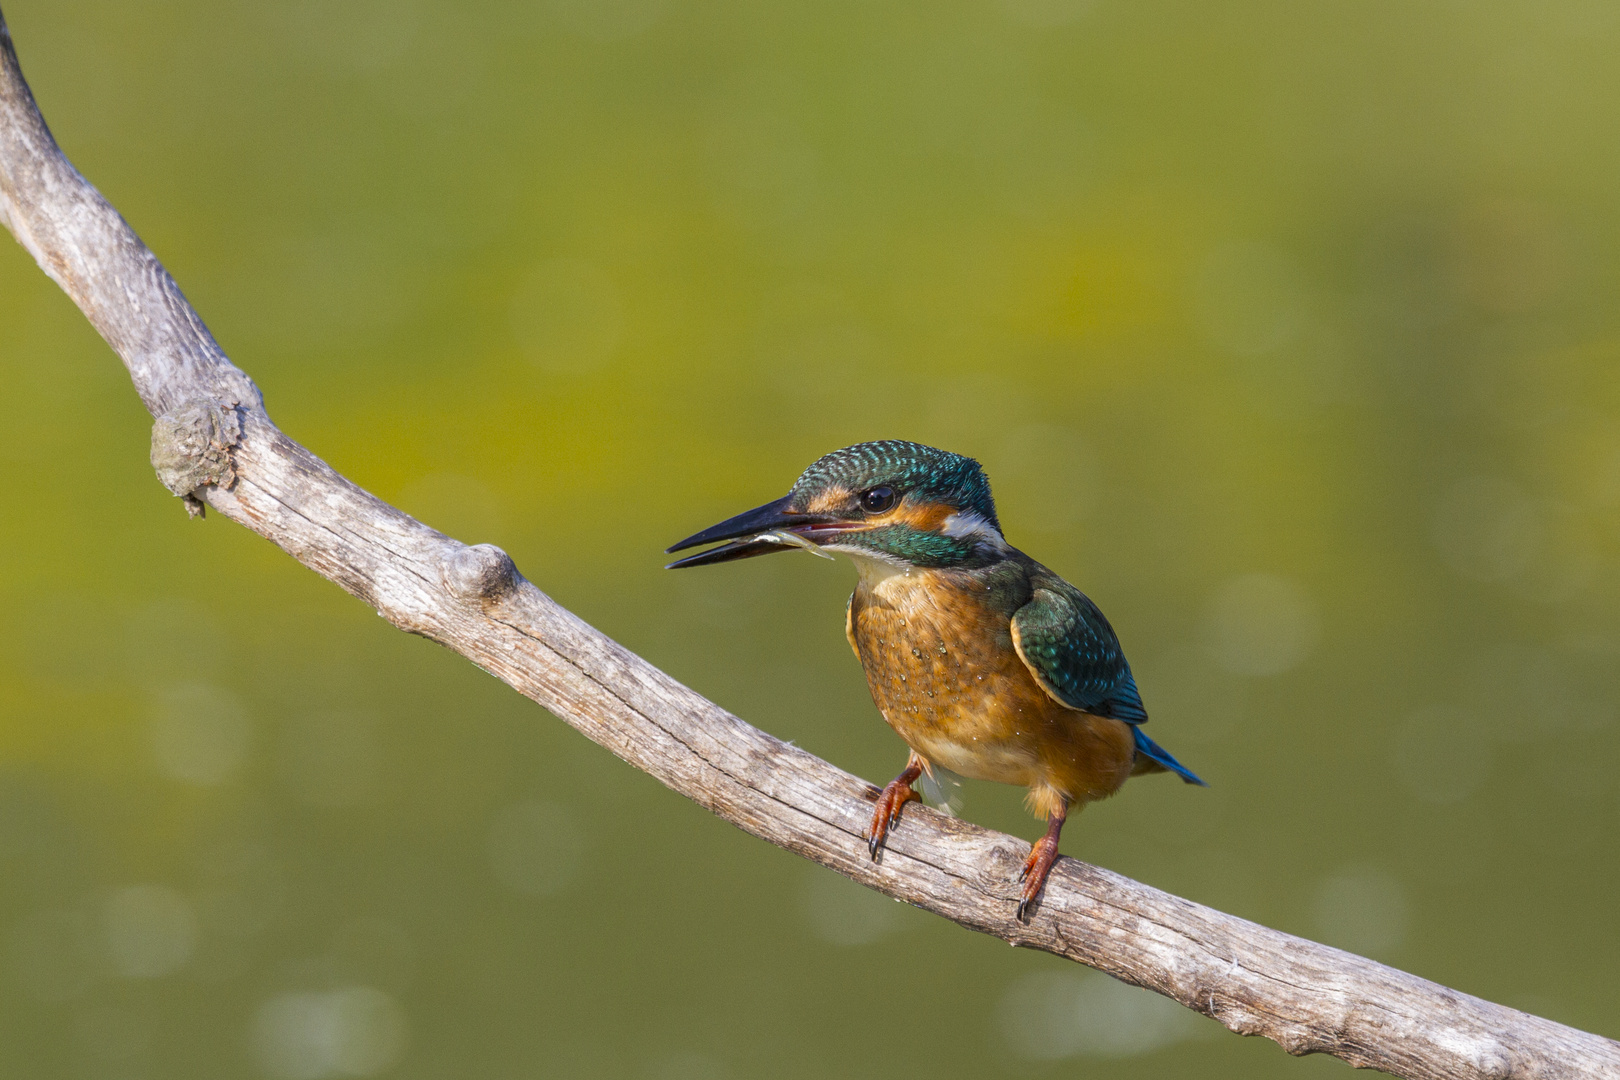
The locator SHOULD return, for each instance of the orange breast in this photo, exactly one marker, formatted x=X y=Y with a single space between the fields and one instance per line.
x=942 y=669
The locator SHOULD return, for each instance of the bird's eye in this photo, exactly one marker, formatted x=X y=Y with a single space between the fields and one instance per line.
x=878 y=499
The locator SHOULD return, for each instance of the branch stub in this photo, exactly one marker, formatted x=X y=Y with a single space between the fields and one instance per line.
x=479 y=572
x=191 y=449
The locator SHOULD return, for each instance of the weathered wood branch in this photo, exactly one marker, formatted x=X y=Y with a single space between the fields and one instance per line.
x=214 y=444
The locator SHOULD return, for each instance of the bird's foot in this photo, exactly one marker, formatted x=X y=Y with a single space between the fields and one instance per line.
x=1036 y=868
x=886 y=814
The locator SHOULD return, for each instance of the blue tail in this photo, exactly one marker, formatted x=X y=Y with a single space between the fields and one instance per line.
x=1154 y=752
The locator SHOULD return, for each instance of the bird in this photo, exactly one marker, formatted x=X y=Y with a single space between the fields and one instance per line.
x=985 y=663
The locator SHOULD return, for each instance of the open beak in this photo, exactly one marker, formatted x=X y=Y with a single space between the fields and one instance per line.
x=758 y=532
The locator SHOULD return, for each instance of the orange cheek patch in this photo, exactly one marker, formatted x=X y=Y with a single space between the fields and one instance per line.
x=924 y=517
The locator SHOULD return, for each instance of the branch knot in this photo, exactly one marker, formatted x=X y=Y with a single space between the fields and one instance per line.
x=479 y=572
x=191 y=448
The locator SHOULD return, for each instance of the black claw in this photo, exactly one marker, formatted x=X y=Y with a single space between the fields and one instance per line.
x=873 y=844
x=1023 y=909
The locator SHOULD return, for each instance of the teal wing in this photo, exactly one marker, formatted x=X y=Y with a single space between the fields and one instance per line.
x=1072 y=651
x=1064 y=639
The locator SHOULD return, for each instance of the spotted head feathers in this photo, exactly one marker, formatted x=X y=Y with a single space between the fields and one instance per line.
x=925 y=506
x=893 y=502
x=922 y=473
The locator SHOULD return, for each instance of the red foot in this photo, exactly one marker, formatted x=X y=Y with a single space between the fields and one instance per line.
x=1039 y=863
x=896 y=794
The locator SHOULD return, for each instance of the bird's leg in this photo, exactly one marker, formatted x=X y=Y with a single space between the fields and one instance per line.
x=896 y=794
x=1041 y=858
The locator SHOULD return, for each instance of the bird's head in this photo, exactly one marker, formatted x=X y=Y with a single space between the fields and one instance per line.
x=890 y=502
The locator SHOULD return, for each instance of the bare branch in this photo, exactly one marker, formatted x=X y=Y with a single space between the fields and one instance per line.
x=214 y=444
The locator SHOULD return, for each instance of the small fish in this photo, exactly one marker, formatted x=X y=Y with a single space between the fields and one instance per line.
x=782 y=536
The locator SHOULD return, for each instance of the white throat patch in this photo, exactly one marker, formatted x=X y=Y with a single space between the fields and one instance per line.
x=875 y=567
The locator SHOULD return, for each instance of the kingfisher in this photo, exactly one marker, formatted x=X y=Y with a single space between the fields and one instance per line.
x=983 y=661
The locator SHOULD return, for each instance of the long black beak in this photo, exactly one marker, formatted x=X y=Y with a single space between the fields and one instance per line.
x=743 y=532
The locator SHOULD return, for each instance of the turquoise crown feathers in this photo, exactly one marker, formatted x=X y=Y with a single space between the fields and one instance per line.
x=925 y=472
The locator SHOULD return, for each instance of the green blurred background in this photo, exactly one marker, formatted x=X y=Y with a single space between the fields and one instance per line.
x=1286 y=331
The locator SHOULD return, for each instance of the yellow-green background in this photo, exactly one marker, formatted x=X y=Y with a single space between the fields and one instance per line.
x=1287 y=331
